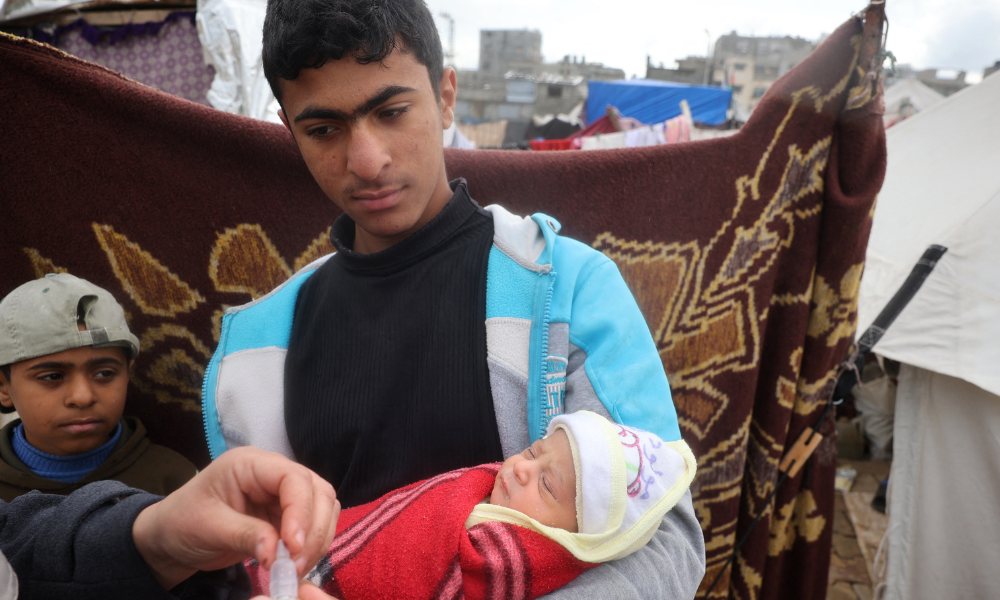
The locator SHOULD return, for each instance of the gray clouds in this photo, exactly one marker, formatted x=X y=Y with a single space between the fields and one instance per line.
x=924 y=33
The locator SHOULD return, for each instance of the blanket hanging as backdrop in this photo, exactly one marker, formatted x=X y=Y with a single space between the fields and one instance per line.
x=744 y=253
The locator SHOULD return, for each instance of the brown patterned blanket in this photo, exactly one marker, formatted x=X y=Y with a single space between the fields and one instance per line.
x=745 y=254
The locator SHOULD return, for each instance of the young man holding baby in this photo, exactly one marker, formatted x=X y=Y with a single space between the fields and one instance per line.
x=441 y=335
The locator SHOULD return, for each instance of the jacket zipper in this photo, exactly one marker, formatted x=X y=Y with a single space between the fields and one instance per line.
x=542 y=391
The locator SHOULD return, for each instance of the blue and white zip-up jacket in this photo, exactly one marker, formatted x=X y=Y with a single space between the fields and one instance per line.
x=563 y=333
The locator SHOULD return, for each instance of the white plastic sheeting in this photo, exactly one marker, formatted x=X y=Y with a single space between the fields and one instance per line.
x=231 y=34
x=16 y=9
x=944 y=528
x=942 y=186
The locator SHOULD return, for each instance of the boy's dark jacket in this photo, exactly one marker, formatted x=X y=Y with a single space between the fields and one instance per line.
x=135 y=461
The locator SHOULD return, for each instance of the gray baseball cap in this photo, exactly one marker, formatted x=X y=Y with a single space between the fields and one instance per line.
x=41 y=316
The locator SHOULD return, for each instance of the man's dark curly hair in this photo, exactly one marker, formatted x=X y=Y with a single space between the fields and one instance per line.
x=300 y=34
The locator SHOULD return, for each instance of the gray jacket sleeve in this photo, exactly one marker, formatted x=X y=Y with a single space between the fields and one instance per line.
x=80 y=546
x=671 y=566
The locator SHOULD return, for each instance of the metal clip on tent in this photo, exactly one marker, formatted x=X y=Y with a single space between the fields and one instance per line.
x=853 y=368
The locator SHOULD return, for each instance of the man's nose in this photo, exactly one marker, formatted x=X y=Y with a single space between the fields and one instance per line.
x=367 y=154
x=81 y=392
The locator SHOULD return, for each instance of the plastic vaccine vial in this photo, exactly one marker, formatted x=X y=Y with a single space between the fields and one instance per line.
x=284 y=579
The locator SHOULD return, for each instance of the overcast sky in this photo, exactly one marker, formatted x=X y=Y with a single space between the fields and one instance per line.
x=942 y=34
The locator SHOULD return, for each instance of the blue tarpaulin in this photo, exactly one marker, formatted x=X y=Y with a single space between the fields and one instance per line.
x=651 y=101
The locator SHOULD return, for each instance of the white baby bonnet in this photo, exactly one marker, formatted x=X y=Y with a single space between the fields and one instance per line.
x=626 y=481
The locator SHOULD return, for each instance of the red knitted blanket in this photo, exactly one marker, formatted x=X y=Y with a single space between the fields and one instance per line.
x=412 y=543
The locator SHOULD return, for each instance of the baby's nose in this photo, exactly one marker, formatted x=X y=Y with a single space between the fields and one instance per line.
x=523 y=470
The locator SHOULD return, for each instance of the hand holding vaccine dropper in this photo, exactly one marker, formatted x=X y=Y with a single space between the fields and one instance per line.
x=241 y=505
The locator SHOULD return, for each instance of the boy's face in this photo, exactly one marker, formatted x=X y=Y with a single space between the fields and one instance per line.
x=69 y=402
x=371 y=134
x=540 y=482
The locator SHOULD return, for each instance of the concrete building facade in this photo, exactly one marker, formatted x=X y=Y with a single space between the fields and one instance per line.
x=498 y=48
x=513 y=82
x=690 y=70
x=943 y=81
x=752 y=64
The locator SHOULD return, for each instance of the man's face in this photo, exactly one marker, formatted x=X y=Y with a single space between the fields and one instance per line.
x=371 y=134
x=69 y=402
x=540 y=482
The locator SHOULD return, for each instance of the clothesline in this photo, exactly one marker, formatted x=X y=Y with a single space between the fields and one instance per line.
x=616 y=131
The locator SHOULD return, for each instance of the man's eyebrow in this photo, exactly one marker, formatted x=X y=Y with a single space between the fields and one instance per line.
x=381 y=97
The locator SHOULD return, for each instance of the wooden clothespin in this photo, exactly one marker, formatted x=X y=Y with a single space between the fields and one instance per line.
x=796 y=457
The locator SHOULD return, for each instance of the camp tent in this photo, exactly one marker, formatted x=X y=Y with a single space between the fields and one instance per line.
x=652 y=101
x=907 y=97
x=942 y=186
x=210 y=55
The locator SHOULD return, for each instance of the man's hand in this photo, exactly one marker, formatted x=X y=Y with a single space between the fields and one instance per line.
x=234 y=509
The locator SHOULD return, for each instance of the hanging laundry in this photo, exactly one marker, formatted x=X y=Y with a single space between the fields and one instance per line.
x=678 y=130
x=604 y=141
x=647 y=135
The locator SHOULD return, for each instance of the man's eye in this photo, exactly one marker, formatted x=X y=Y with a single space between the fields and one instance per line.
x=105 y=373
x=50 y=377
x=321 y=132
x=393 y=113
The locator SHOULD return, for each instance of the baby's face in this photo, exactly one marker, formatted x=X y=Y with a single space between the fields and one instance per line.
x=540 y=482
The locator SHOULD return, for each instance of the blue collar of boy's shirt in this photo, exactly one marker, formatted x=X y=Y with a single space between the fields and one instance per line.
x=66 y=469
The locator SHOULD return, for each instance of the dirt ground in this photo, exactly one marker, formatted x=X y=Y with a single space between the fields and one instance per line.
x=857 y=531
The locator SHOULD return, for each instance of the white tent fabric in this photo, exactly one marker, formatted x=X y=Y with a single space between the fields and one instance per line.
x=11 y=10
x=944 y=525
x=908 y=92
x=230 y=33
x=942 y=186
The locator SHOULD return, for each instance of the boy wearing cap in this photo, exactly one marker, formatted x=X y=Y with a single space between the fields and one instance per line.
x=65 y=353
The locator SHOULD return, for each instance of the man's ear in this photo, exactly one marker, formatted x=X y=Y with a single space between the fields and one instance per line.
x=449 y=92
x=281 y=115
x=5 y=398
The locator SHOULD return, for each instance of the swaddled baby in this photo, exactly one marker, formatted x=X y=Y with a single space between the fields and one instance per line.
x=597 y=488
x=589 y=492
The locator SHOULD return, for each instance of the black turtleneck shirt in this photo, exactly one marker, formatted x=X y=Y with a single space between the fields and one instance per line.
x=386 y=381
